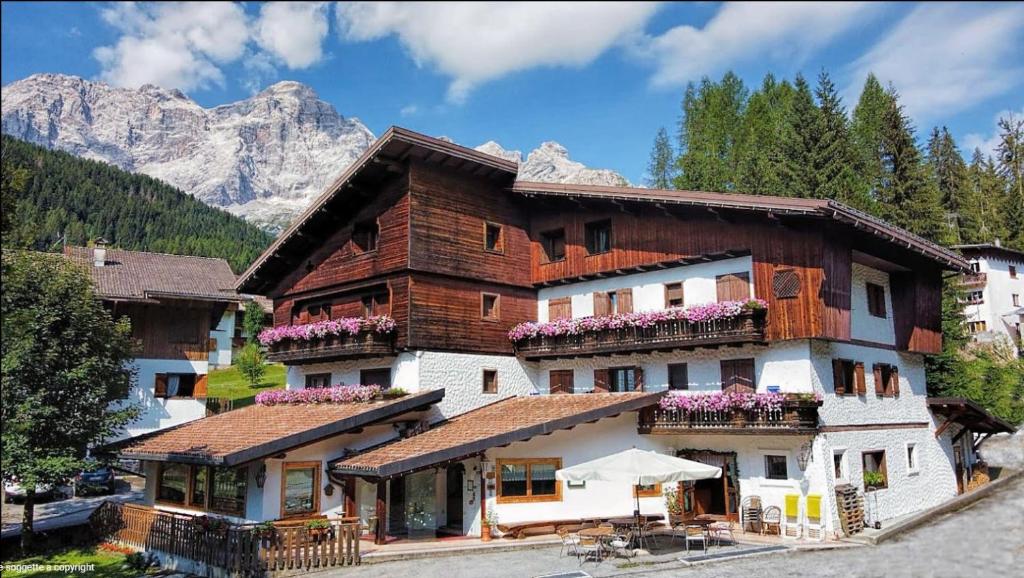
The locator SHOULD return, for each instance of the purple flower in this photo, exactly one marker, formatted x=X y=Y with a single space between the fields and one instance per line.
x=333 y=394
x=381 y=324
x=721 y=401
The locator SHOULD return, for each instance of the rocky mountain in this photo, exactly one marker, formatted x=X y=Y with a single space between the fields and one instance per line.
x=264 y=158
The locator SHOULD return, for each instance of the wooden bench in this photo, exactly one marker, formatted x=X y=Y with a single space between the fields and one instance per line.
x=519 y=530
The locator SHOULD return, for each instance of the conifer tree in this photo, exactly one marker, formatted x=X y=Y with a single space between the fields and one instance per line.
x=1010 y=153
x=759 y=144
x=980 y=218
x=707 y=134
x=866 y=132
x=833 y=156
x=949 y=172
x=661 y=167
x=800 y=143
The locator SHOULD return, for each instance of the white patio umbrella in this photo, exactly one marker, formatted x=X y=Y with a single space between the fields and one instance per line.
x=639 y=467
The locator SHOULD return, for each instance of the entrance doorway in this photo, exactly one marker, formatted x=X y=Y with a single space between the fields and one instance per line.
x=716 y=497
x=453 y=498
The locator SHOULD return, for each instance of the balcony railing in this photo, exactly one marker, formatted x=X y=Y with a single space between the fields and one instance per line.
x=973 y=279
x=794 y=417
x=363 y=344
x=667 y=334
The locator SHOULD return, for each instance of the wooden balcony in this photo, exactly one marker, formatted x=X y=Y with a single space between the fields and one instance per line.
x=330 y=348
x=973 y=279
x=663 y=335
x=794 y=417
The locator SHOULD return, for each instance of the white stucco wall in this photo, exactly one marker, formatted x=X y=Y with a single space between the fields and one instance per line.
x=699 y=286
x=225 y=330
x=404 y=371
x=997 y=305
x=863 y=325
x=159 y=413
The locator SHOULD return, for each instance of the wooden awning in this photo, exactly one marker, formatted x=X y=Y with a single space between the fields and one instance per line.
x=968 y=414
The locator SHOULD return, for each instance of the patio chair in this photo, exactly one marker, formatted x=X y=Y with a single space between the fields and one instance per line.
x=570 y=542
x=647 y=534
x=771 y=519
x=695 y=533
x=720 y=530
x=589 y=547
x=622 y=544
x=750 y=510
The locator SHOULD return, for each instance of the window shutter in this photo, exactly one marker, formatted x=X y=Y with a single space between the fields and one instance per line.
x=199 y=391
x=561 y=381
x=894 y=376
x=674 y=295
x=858 y=371
x=625 y=300
x=560 y=308
x=601 y=379
x=733 y=287
x=639 y=372
x=160 y=385
x=602 y=303
x=745 y=375
x=838 y=377
x=879 y=386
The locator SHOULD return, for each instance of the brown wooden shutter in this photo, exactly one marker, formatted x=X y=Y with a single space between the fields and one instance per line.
x=200 y=388
x=560 y=308
x=639 y=373
x=858 y=373
x=602 y=303
x=879 y=386
x=894 y=377
x=674 y=293
x=561 y=381
x=738 y=375
x=838 y=377
x=160 y=385
x=211 y=345
x=733 y=287
x=601 y=379
x=625 y=300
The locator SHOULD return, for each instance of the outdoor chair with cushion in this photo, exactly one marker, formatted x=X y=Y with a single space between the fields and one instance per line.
x=720 y=530
x=695 y=533
x=771 y=520
x=569 y=542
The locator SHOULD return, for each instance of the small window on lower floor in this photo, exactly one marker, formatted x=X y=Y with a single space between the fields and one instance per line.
x=489 y=307
x=528 y=480
x=381 y=377
x=875 y=471
x=839 y=464
x=174 y=385
x=228 y=489
x=490 y=381
x=775 y=468
x=678 y=376
x=913 y=466
x=647 y=490
x=301 y=492
x=172 y=483
x=318 y=380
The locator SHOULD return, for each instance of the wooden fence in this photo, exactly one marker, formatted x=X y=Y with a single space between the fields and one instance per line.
x=238 y=550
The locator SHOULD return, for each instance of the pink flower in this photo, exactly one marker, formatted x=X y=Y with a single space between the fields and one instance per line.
x=333 y=394
x=720 y=401
x=381 y=324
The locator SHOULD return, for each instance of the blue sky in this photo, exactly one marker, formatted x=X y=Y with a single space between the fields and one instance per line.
x=598 y=78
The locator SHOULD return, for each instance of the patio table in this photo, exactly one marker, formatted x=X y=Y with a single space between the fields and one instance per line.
x=602 y=534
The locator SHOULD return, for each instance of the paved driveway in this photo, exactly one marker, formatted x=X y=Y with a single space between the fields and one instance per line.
x=68 y=512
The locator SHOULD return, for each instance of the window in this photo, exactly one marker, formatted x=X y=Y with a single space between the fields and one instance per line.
x=912 y=463
x=673 y=295
x=678 y=377
x=976 y=326
x=1013 y=272
x=887 y=380
x=227 y=495
x=175 y=385
x=489 y=307
x=528 y=480
x=380 y=376
x=318 y=380
x=493 y=239
x=733 y=287
x=560 y=381
x=200 y=485
x=876 y=300
x=313 y=312
x=975 y=266
x=738 y=375
x=364 y=236
x=1016 y=299
x=300 y=490
x=598 y=237
x=848 y=377
x=839 y=464
x=975 y=297
x=775 y=468
x=623 y=379
x=875 y=472
x=786 y=284
x=490 y=381
x=560 y=308
x=378 y=303
x=612 y=302
x=553 y=243
x=647 y=491
x=172 y=483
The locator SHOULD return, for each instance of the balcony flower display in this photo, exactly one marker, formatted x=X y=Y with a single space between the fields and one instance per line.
x=721 y=401
x=334 y=394
x=345 y=326
x=693 y=314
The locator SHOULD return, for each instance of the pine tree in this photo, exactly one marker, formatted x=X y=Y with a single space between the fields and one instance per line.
x=833 y=156
x=800 y=141
x=759 y=146
x=661 y=167
x=1010 y=153
x=949 y=172
x=980 y=218
x=866 y=131
x=707 y=134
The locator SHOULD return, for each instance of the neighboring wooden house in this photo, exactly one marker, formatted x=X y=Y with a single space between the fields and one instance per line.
x=174 y=303
x=652 y=293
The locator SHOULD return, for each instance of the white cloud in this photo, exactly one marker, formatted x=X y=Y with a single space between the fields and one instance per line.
x=743 y=32
x=409 y=110
x=293 y=31
x=947 y=57
x=173 y=45
x=987 y=142
x=476 y=42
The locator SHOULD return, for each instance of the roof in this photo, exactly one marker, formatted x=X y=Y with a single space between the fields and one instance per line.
x=969 y=414
x=820 y=208
x=140 y=276
x=991 y=249
x=510 y=420
x=256 y=431
x=394 y=146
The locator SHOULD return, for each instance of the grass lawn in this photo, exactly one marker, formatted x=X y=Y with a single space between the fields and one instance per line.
x=71 y=563
x=230 y=383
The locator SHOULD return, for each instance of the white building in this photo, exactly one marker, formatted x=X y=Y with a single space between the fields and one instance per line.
x=994 y=293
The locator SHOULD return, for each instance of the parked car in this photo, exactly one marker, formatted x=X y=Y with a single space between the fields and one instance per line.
x=13 y=491
x=98 y=480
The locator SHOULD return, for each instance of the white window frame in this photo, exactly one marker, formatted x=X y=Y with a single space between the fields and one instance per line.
x=844 y=464
x=914 y=469
x=765 y=481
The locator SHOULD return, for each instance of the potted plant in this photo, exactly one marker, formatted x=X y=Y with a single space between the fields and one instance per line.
x=210 y=525
x=265 y=531
x=317 y=528
x=873 y=480
x=674 y=506
x=490 y=523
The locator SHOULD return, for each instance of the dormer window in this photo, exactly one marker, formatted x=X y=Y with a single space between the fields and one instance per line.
x=364 y=236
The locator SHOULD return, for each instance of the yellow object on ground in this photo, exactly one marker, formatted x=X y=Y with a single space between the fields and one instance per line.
x=814 y=507
x=792 y=505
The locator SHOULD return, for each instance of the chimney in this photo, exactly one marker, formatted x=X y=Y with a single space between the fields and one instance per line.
x=997 y=242
x=99 y=252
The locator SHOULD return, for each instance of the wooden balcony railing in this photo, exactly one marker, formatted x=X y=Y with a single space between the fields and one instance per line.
x=236 y=549
x=973 y=279
x=364 y=344
x=668 y=334
x=794 y=417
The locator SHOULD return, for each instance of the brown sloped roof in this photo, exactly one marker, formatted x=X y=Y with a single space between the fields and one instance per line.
x=1008 y=253
x=136 y=275
x=821 y=208
x=969 y=414
x=510 y=420
x=256 y=431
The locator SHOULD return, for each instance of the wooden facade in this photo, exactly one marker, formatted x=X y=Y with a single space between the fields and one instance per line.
x=173 y=330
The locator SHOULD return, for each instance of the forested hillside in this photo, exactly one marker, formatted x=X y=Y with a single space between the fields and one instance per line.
x=50 y=197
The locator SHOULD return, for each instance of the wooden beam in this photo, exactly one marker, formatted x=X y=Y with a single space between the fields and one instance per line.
x=381 y=536
x=957 y=437
x=350 y=496
x=949 y=421
x=977 y=446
